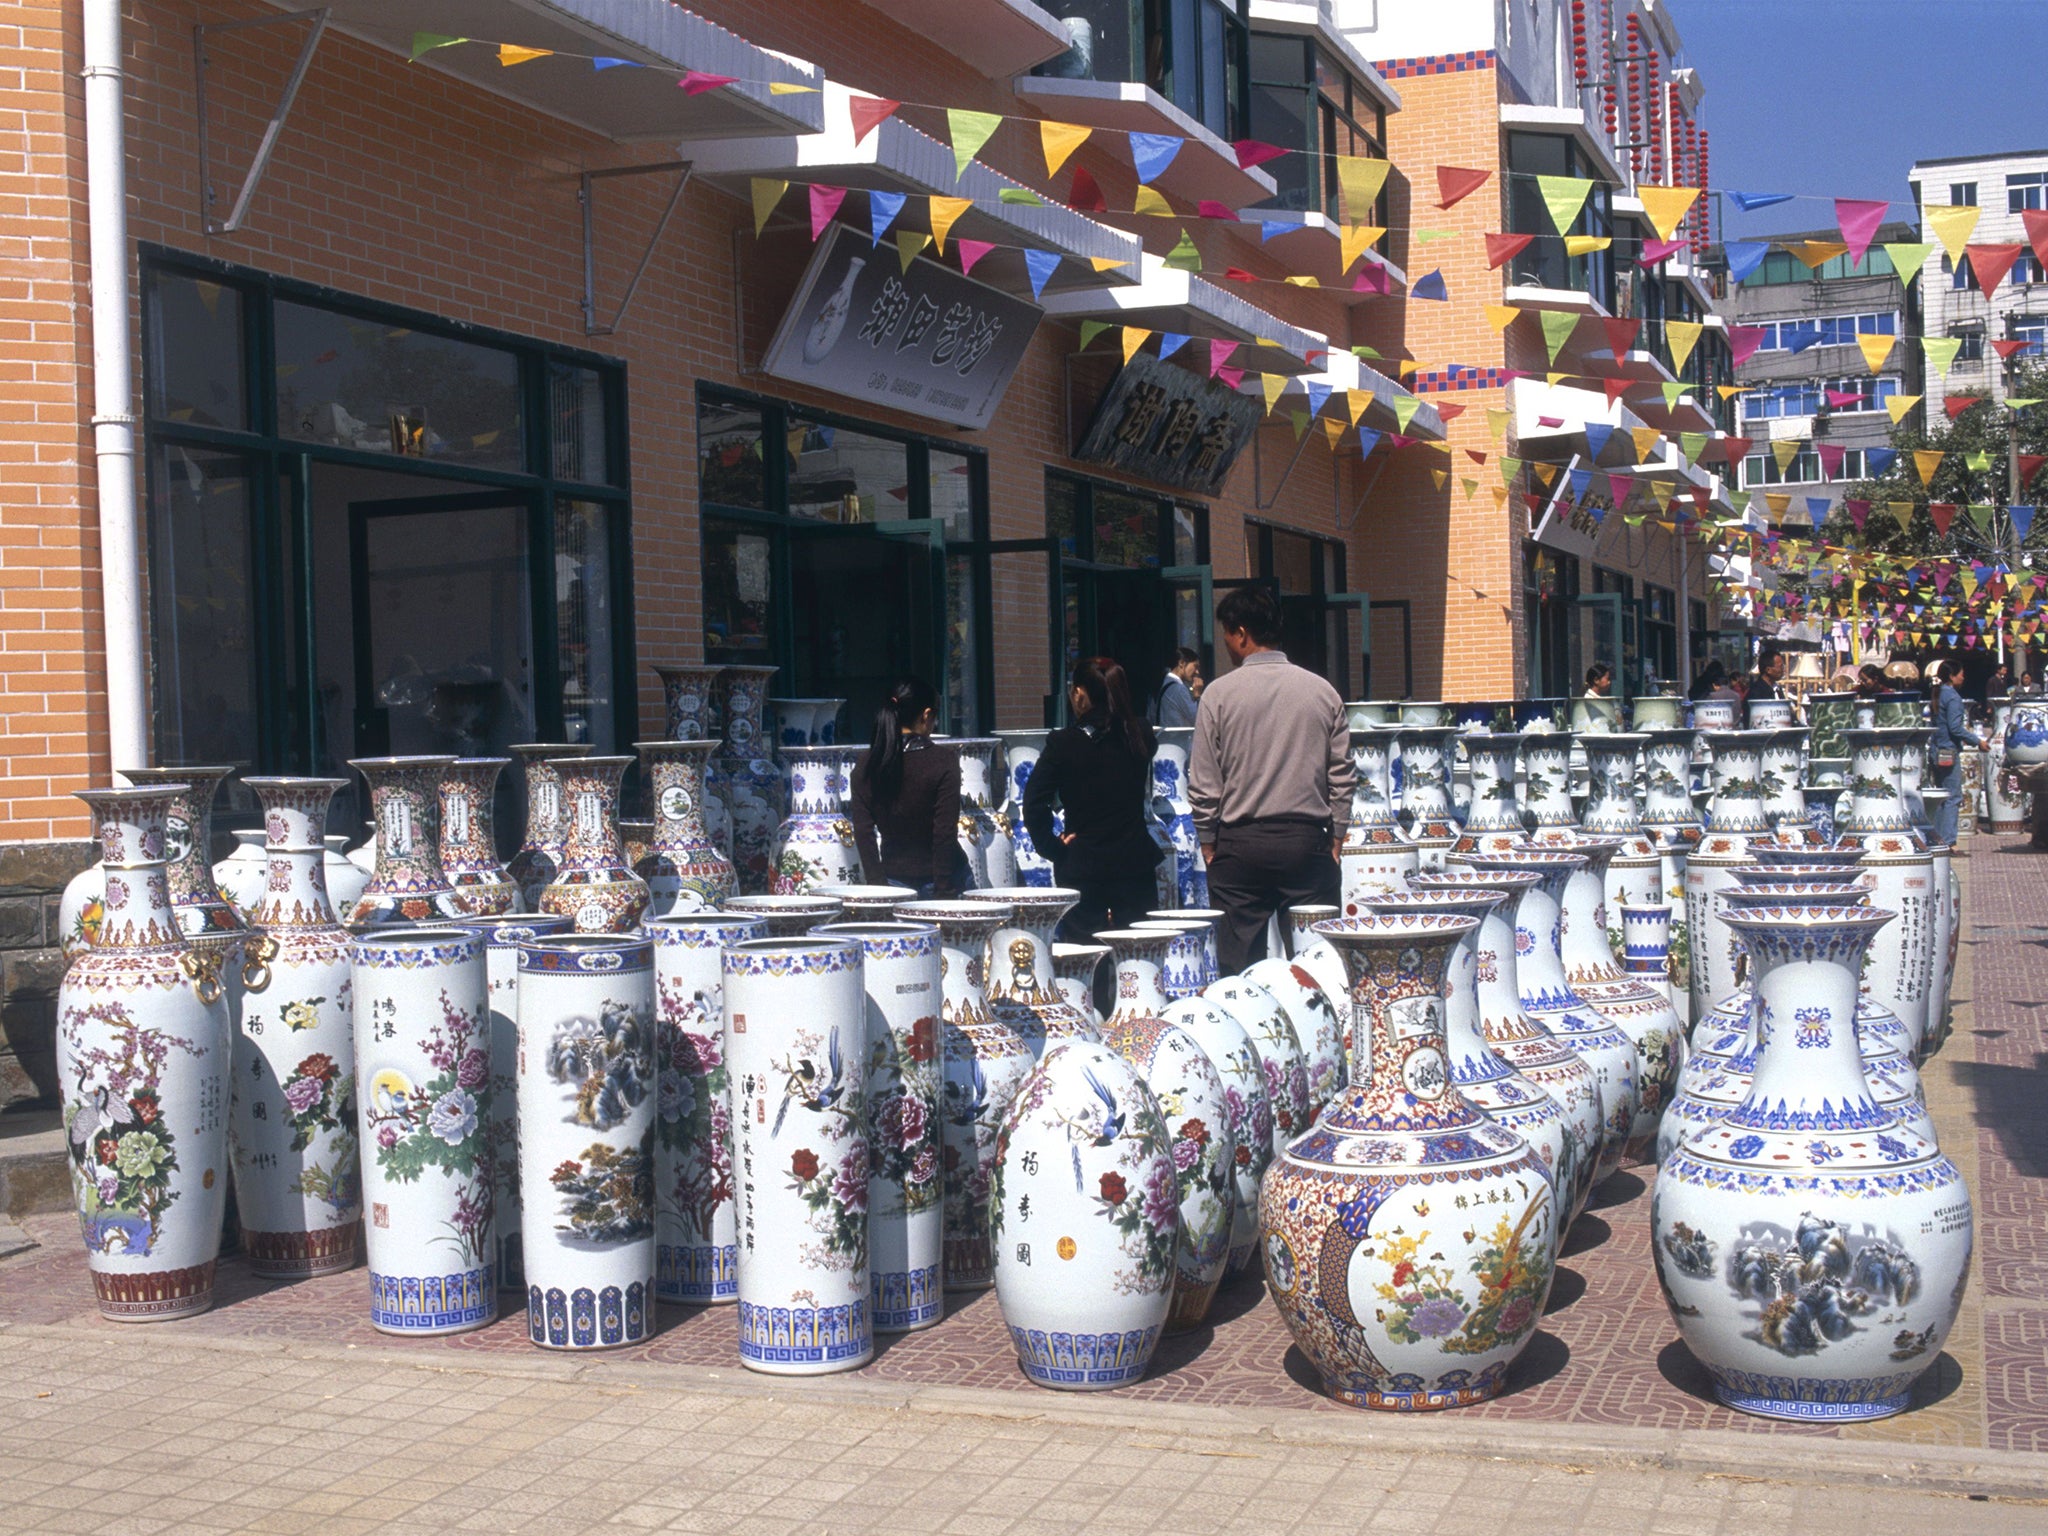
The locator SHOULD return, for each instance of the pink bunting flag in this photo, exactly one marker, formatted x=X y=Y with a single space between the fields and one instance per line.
x=1655 y=251
x=1830 y=458
x=1372 y=278
x=1549 y=421
x=1219 y=354
x=1743 y=340
x=1859 y=218
x=695 y=82
x=1859 y=512
x=825 y=203
x=1842 y=399
x=1232 y=377
x=972 y=251
x=1618 y=486
x=1209 y=208
x=1251 y=152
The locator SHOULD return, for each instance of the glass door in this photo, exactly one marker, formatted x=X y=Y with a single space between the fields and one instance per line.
x=868 y=603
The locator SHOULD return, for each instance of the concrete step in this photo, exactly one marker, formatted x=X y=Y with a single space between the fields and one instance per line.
x=35 y=1167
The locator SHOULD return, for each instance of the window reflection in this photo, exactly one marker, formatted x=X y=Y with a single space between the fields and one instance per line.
x=195 y=353
x=736 y=592
x=837 y=475
x=583 y=608
x=206 y=642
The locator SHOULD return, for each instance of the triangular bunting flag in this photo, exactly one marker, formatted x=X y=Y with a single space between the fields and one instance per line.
x=1090 y=329
x=1646 y=440
x=971 y=251
x=1501 y=249
x=1501 y=316
x=511 y=53
x=1814 y=254
x=1150 y=200
x=1152 y=153
x=1749 y=202
x=1085 y=196
x=1879 y=460
x=1059 y=140
x=766 y=195
x=1952 y=226
x=1992 y=262
x=1355 y=241
x=1360 y=178
x=1858 y=219
x=1666 y=206
x=1134 y=337
x=1926 y=461
x=1903 y=511
x=1943 y=513
x=1875 y=350
x=1251 y=152
x=1898 y=405
x=1585 y=245
x=2022 y=521
x=1654 y=251
x=1744 y=257
x=1785 y=450
x=427 y=42
x=883 y=207
x=945 y=212
x=1743 y=340
x=909 y=242
x=2030 y=466
x=1558 y=325
x=1455 y=183
x=968 y=131
x=867 y=112
x=1908 y=257
x=1171 y=342
x=1683 y=336
x=1272 y=386
x=1219 y=354
x=696 y=82
x=1941 y=350
x=1040 y=266
x=1184 y=257
x=1429 y=286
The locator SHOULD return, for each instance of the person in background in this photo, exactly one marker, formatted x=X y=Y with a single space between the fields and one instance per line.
x=1599 y=680
x=1270 y=780
x=1180 y=690
x=906 y=788
x=1999 y=684
x=1871 y=681
x=1711 y=682
x=1951 y=735
x=1770 y=670
x=1099 y=770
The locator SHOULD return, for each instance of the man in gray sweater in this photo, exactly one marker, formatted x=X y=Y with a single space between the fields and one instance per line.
x=1270 y=779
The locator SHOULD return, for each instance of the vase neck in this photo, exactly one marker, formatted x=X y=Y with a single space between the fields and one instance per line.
x=1546 y=782
x=1539 y=966
x=543 y=806
x=1020 y=960
x=1611 y=780
x=1496 y=972
x=817 y=781
x=1875 y=804
x=590 y=807
x=295 y=890
x=1398 y=1002
x=1582 y=930
x=678 y=783
x=1140 y=980
x=1370 y=804
x=1667 y=783
x=963 y=992
x=468 y=821
x=1803 y=985
x=1738 y=804
x=405 y=809
x=1424 y=784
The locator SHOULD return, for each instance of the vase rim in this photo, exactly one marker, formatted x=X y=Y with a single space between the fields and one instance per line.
x=794 y=944
x=1814 y=872
x=1116 y=937
x=418 y=760
x=1794 y=892
x=293 y=781
x=1630 y=739
x=419 y=934
x=1794 y=919
x=1396 y=929
x=133 y=794
x=655 y=748
x=1525 y=856
x=1196 y=914
x=1062 y=950
x=1509 y=881
x=786 y=904
x=842 y=892
x=171 y=772
x=1443 y=900
x=548 y=749
x=1649 y=909
x=586 y=943
x=994 y=913
x=478 y=763
x=689 y=921
x=1025 y=895
x=877 y=928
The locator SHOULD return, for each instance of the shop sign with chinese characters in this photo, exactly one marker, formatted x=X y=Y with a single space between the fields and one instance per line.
x=1161 y=422
x=929 y=340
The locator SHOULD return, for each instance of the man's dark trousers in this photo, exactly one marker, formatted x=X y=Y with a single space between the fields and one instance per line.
x=1263 y=867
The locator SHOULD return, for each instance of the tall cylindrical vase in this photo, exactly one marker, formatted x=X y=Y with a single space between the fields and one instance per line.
x=1547 y=781
x=683 y=869
x=1377 y=856
x=469 y=838
x=1493 y=823
x=423 y=1084
x=144 y=1053
x=502 y=937
x=796 y=1046
x=205 y=916
x=990 y=859
x=298 y=1186
x=690 y=705
x=1736 y=820
x=1021 y=751
x=696 y=1259
x=594 y=885
x=1170 y=790
x=539 y=858
x=1782 y=766
x=744 y=777
x=1426 y=791
x=1901 y=964
x=587 y=1100
x=408 y=885
x=906 y=1183
x=814 y=846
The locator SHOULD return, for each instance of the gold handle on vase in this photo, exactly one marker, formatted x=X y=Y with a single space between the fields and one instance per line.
x=204 y=971
x=256 y=958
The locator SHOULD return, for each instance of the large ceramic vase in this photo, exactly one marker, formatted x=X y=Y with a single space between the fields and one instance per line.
x=1548 y=997
x=1547 y=782
x=1023 y=990
x=1021 y=752
x=789 y=917
x=1613 y=810
x=1814 y=1250
x=1250 y=1115
x=423 y=1088
x=1177 y=813
x=408 y=884
x=684 y=870
x=983 y=837
x=1540 y=1057
x=241 y=875
x=2008 y=811
x=1735 y=821
x=906 y=1179
x=1782 y=768
x=587 y=1105
x=502 y=937
x=689 y=703
x=796 y=1047
x=744 y=778
x=1912 y=780
x=1192 y=1100
x=696 y=1237
x=805 y=722
x=1900 y=968
x=1494 y=821
x=983 y=1062
x=205 y=916
x=1186 y=971
x=1401 y=1297
x=1478 y=1071
x=539 y=858
x=1085 y=1220
x=594 y=885
x=1426 y=760
x=292 y=1123
x=469 y=839
x=2026 y=733
x=1318 y=1024
x=814 y=845
x=1076 y=968
x=144 y=1051
x=1377 y=856
x=1828 y=715
x=1282 y=1061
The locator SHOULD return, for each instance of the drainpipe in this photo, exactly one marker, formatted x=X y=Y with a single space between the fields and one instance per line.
x=113 y=389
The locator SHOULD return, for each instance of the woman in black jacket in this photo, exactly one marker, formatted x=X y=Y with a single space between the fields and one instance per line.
x=1099 y=770
x=906 y=787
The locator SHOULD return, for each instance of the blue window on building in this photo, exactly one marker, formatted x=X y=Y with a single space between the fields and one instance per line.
x=2026 y=190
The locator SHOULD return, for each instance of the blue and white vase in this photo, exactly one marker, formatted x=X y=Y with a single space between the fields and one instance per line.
x=814 y=846
x=1177 y=814
x=1546 y=785
x=696 y=1236
x=1493 y=819
x=1187 y=970
x=502 y=937
x=1901 y=958
x=1814 y=1251
x=587 y=1103
x=1021 y=751
x=1735 y=822
x=2026 y=733
x=796 y=1046
x=1377 y=856
x=1783 y=764
x=1426 y=760
x=991 y=858
x=743 y=776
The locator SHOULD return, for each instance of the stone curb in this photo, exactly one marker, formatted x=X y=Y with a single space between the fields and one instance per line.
x=1810 y=1460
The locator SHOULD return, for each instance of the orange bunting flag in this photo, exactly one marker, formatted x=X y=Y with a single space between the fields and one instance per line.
x=511 y=53
x=1927 y=461
x=1813 y=254
x=1134 y=337
x=1356 y=240
x=1059 y=140
x=1645 y=439
x=945 y=213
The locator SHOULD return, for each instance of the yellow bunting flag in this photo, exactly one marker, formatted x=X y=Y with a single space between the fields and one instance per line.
x=911 y=241
x=1356 y=240
x=1497 y=422
x=1585 y=245
x=1898 y=405
x=1151 y=200
x=1059 y=140
x=1645 y=439
x=1558 y=325
x=790 y=88
x=1134 y=338
x=1779 y=502
x=1442 y=477
x=1105 y=263
x=1356 y=401
x=1661 y=494
x=1952 y=226
x=511 y=53
x=1335 y=429
x=1683 y=335
x=1544 y=472
x=1272 y=386
x=1666 y=206
x=1875 y=350
x=1501 y=316
x=946 y=213
x=1730 y=391
x=968 y=131
x=1908 y=257
x=1500 y=497
x=1813 y=254
x=1903 y=511
x=1927 y=461
x=1941 y=350
x=1304 y=281
x=1360 y=178
x=766 y=195
x=1785 y=450
x=1564 y=196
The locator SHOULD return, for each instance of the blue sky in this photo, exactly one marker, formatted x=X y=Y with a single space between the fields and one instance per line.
x=1839 y=97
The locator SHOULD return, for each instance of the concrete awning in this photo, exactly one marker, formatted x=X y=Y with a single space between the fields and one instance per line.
x=628 y=105
x=895 y=157
x=1205 y=168
x=1556 y=298
x=999 y=38
x=1168 y=299
x=1346 y=372
x=1313 y=246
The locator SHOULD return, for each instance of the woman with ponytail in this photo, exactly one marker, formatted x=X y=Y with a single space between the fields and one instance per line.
x=1100 y=771
x=906 y=788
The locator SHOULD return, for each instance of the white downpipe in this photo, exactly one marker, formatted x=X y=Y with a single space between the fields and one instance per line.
x=113 y=389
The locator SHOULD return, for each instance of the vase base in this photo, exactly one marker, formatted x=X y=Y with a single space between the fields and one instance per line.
x=1084 y=1362
x=1190 y=1306
x=302 y=1255
x=1421 y=1400
x=696 y=1274
x=414 y=1305
x=906 y=1300
x=1812 y=1412
x=160 y=1296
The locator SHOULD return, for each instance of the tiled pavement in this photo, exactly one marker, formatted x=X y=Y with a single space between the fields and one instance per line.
x=1608 y=1358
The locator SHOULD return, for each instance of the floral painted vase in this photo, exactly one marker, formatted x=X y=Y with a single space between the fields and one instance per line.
x=1282 y=1061
x=1248 y=1114
x=1493 y=822
x=1023 y=991
x=683 y=868
x=984 y=839
x=696 y=1258
x=1085 y=1221
x=408 y=884
x=1813 y=1250
x=744 y=778
x=423 y=1089
x=983 y=1062
x=1736 y=822
x=906 y=1183
x=292 y=1119
x=539 y=858
x=1316 y=1025
x=144 y=1053
x=1074 y=969
x=1408 y=1240
x=241 y=875
x=1426 y=759
x=1900 y=967
x=814 y=845
x=1177 y=812
x=594 y=886
x=796 y=1046
x=502 y=937
x=587 y=1103
x=690 y=703
x=1319 y=957
x=2008 y=811
x=1376 y=855
x=789 y=917
x=469 y=839
x=1782 y=765
x=1021 y=752
x=1548 y=998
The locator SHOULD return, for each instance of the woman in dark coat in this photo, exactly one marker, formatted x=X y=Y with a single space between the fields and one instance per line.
x=1099 y=771
x=906 y=789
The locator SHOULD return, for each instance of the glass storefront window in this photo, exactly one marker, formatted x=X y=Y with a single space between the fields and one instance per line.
x=583 y=618
x=963 y=646
x=1062 y=514
x=837 y=475
x=576 y=407
x=200 y=587
x=732 y=467
x=1190 y=527
x=737 y=584
x=368 y=385
x=950 y=477
x=1126 y=529
x=196 y=363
